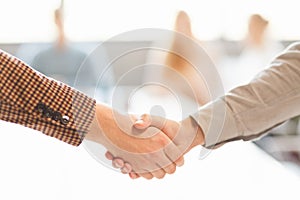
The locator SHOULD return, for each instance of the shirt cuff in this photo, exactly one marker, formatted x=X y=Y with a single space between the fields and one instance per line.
x=217 y=123
x=41 y=103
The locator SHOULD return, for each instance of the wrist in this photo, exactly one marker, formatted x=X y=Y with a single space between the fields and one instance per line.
x=95 y=133
x=192 y=127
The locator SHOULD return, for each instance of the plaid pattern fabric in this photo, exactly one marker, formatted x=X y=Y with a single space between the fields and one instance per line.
x=66 y=115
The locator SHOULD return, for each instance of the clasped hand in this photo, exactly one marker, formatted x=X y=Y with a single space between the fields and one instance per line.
x=147 y=147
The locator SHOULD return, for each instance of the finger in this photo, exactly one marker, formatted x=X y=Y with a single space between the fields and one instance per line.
x=155 y=121
x=117 y=163
x=180 y=162
x=146 y=175
x=109 y=156
x=134 y=175
x=169 y=127
x=160 y=173
x=143 y=122
x=170 y=169
x=126 y=169
x=172 y=152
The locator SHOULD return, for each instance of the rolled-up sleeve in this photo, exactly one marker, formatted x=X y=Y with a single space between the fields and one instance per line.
x=249 y=111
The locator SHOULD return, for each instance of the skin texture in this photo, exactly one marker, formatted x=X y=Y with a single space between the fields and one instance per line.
x=150 y=153
x=185 y=134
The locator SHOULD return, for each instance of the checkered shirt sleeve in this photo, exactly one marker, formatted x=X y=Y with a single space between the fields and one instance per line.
x=31 y=99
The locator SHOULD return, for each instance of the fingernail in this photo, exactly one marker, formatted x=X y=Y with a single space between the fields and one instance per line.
x=125 y=170
x=118 y=163
x=140 y=121
x=132 y=175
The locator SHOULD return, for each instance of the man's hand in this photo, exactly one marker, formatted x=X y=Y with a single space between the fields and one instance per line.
x=150 y=153
x=185 y=135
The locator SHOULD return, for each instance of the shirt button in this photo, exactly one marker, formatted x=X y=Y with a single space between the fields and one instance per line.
x=40 y=107
x=47 y=112
x=65 y=120
x=56 y=116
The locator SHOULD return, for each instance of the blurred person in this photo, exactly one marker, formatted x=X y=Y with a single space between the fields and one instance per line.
x=182 y=66
x=176 y=72
x=61 y=61
x=258 y=50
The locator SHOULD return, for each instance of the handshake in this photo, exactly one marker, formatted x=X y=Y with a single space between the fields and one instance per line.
x=148 y=146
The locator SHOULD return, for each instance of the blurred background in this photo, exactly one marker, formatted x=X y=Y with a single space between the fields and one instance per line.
x=56 y=36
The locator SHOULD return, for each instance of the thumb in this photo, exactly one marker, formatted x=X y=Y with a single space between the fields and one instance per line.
x=143 y=122
x=168 y=127
x=147 y=120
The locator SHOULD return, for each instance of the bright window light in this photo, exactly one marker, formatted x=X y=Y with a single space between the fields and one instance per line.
x=27 y=21
x=94 y=20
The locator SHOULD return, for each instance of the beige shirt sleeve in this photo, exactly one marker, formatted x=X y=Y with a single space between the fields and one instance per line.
x=249 y=111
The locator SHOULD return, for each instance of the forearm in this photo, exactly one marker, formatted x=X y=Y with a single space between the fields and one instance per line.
x=38 y=102
x=104 y=114
x=251 y=110
x=191 y=127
